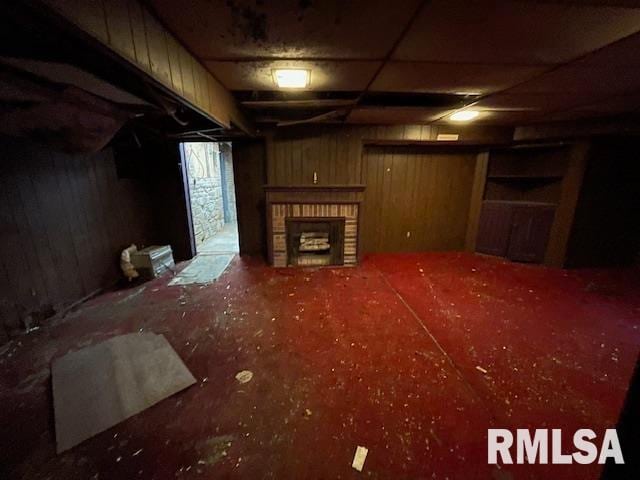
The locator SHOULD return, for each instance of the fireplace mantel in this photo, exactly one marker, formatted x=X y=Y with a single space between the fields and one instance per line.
x=315 y=188
x=312 y=202
x=314 y=193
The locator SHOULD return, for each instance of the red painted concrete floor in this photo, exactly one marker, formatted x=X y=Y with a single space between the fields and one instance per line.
x=384 y=355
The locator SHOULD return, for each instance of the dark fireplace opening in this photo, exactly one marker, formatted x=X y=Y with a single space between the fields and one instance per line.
x=314 y=242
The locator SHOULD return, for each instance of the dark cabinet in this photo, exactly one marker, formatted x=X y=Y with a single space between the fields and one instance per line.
x=494 y=229
x=515 y=230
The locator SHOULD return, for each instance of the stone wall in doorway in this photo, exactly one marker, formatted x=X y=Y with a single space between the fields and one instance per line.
x=225 y=152
x=205 y=189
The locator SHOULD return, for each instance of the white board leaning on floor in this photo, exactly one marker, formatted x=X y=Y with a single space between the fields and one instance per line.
x=97 y=387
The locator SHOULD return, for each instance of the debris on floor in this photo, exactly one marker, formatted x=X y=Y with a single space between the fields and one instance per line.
x=112 y=381
x=359 y=458
x=244 y=376
x=153 y=261
x=481 y=370
x=126 y=266
x=203 y=269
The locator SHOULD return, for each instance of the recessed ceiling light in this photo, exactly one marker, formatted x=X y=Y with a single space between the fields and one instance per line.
x=464 y=115
x=291 y=77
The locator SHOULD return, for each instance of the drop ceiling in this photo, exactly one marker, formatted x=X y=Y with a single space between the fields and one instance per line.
x=517 y=62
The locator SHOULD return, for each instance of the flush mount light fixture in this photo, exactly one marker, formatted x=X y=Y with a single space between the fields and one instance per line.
x=447 y=137
x=291 y=77
x=464 y=115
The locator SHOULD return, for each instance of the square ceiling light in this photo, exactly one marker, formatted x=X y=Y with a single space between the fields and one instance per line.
x=291 y=77
x=464 y=115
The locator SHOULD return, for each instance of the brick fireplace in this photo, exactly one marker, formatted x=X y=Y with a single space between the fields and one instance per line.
x=313 y=225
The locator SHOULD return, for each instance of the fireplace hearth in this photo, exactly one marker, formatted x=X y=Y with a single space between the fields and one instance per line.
x=313 y=225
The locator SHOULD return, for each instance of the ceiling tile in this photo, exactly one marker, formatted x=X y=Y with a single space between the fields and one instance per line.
x=286 y=29
x=623 y=53
x=494 y=31
x=570 y=115
x=532 y=101
x=395 y=115
x=612 y=105
x=451 y=78
x=571 y=79
x=258 y=75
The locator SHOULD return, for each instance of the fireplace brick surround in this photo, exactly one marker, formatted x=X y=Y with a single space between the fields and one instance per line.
x=314 y=203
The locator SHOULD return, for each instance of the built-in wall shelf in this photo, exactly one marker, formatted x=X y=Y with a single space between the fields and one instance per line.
x=521 y=194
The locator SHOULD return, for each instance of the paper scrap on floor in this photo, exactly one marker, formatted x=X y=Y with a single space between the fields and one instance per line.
x=359 y=458
x=97 y=387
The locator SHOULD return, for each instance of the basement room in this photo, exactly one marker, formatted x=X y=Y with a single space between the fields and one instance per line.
x=313 y=239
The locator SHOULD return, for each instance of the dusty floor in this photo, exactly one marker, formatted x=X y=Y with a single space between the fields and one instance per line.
x=225 y=241
x=384 y=355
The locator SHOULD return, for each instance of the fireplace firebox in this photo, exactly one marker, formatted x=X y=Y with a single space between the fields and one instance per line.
x=313 y=242
x=311 y=225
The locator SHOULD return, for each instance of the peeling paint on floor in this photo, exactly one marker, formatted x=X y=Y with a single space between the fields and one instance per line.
x=382 y=355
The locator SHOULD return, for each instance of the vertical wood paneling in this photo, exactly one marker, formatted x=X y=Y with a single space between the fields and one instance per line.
x=88 y=14
x=422 y=192
x=119 y=27
x=249 y=171
x=63 y=238
x=64 y=220
x=139 y=36
x=158 y=52
x=197 y=83
x=477 y=193
x=565 y=211
x=19 y=258
x=186 y=68
x=332 y=152
x=131 y=30
x=425 y=194
x=335 y=152
x=174 y=64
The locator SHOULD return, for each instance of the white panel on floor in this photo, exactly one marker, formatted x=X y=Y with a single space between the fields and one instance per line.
x=204 y=268
x=99 y=386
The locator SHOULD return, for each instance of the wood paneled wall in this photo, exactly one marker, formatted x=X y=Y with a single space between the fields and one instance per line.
x=416 y=199
x=606 y=227
x=290 y=156
x=332 y=152
x=128 y=28
x=63 y=222
x=249 y=172
x=335 y=152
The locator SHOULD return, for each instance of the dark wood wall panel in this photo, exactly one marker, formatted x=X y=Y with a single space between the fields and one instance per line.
x=334 y=152
x=290 y=155
x=64 y=219
x=249 y=171
x=605 y=230
x=416 y=199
